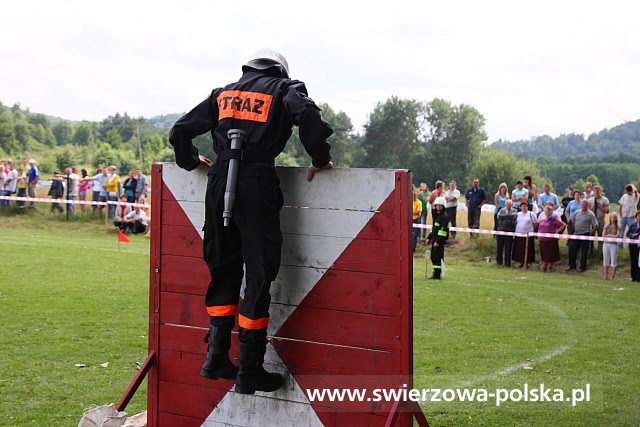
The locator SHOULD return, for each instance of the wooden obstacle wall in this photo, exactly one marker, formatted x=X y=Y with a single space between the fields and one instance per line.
x=341 y=312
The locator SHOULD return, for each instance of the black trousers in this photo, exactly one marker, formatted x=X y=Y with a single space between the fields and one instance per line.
x=635 y=270
x=252 y=242
x=503 y=247
x=473 y=219
x=437 y=255
x=574 y=247
x=451 y=213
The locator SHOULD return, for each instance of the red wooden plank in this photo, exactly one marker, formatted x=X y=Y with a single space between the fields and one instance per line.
x=183 y=309
x=373 y=256
x=306 y=357
x=342 y=328
x=189 y=275
x=360 y=292
x=299 y=356
x=172 y=212
x=171 y=420
x=183 y=368
x=181 y=240
x=188 y=401
x=404 y=271
x=155 y=281
x=307 y=324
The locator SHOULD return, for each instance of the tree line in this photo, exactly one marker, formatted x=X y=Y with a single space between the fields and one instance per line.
x=436 y=140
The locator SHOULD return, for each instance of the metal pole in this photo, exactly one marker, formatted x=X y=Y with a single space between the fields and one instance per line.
x=237 y=137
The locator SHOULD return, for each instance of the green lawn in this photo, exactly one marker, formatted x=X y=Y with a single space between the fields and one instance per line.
x=69 y=296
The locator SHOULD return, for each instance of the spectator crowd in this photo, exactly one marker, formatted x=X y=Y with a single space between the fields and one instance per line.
x=580 y=213
x=104 y=186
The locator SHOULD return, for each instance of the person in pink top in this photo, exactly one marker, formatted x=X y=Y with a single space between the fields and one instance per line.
x=549 y=250
x=82 y=190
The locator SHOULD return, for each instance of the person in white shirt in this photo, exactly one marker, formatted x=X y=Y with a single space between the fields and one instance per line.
x=136 y=220
x=451 y=207
x=10 y=181
x=628 y=208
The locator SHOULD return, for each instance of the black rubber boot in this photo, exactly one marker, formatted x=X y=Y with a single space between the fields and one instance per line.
x=218 y=364
x=252 y=377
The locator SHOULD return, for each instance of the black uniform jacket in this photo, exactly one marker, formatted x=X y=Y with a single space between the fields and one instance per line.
x=264 y=105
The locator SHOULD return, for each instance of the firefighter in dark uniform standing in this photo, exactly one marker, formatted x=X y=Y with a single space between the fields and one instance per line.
x=266 y=104
x=438 y=237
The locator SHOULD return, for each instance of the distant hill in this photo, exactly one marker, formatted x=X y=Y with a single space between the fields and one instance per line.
x=624 y=139
x=165 y=121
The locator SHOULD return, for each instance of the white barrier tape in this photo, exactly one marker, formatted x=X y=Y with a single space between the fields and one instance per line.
x=75 y=202
x=535 y=234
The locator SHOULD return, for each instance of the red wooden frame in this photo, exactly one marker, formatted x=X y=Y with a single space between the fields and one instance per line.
x=176 y=394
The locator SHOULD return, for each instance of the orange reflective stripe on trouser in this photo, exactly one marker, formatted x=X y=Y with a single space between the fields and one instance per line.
x=246 y=323
x=222 y=310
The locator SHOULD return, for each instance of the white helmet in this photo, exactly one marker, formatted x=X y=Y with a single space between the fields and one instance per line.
x=440 y=201
x=266 y=57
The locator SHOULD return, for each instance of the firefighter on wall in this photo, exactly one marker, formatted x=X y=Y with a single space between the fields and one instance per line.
x=250 y=122
x=438 y=237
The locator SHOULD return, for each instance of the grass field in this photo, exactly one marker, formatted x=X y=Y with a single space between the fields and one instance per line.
x=69 y=296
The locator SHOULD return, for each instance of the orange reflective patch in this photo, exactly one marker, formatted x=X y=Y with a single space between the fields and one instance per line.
x=237 y=104
x=223 y=310
x=245 y=322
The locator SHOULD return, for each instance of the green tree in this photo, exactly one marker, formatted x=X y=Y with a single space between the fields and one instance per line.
x=455 y=134
x=392 y=133
x=83 y=134
x=8 y=142
x=63 y=131
x=114 y=139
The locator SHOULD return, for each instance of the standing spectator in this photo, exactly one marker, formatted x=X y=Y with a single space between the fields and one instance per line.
x=97 y=189
x=121 y=211
x=56 y=191
x=499 y=201
x=438 y=192
x=549 y=250
x=417 y=213
x=32 y=182
x=634 y=233
x=476 y=197
x=532 y=194
x=83 y=187
x=142 y=186
x=524 y=250
x=572 y=208
x=10 y=181
x=136 y=220
x=599 y=205
x=72 y=180
x=584 y=224
x=547 y=196
x=588 y=192
x=3 y=177
x=507 y=218
x=22 y=186
x=438 y=237
x=519 y=194
x=129 y=187
x=111 y=186
x=610 y=249
x=423 y=196
x=628 y=208
x=452 y=196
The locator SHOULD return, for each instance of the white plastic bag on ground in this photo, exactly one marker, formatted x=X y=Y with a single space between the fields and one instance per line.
x=102 y=416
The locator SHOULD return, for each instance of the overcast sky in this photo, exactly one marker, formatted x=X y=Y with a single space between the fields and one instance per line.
x=530 y=68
